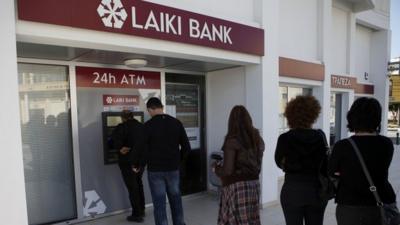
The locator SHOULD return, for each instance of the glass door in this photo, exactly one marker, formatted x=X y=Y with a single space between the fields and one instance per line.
x=185 y=100
x=47 y=143
x=335 y=118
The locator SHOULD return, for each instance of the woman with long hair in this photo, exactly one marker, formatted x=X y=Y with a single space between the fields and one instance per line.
x=243 y=150
x=300 y=153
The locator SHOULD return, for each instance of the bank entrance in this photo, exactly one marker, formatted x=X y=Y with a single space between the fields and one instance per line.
x=70 y=101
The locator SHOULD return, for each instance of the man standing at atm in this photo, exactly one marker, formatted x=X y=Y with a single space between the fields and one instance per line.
x=167 y=144
x=128 y=137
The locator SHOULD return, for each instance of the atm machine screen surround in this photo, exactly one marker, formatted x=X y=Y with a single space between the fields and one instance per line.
x=110 y=120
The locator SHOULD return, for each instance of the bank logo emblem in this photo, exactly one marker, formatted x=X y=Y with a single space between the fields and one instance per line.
x=93 y=204
x=112 y=13
x=109 y=100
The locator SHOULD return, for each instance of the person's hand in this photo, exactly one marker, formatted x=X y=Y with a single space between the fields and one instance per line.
x=135 y=169
x=124 y=150
x=214 y=165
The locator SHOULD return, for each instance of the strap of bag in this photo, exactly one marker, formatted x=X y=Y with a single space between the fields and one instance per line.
x=372 y=187
x=328 y=149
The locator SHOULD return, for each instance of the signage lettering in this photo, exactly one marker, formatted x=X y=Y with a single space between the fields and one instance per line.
x=117 y=78
x=166 y=23
x=220 y=33
x=146 y=19
x=108 y=78
x=351 y=83
x=342 y=81
x=163 y=23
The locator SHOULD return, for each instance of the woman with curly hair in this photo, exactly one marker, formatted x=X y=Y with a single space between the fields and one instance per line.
x=300 y=153
x=243 y=150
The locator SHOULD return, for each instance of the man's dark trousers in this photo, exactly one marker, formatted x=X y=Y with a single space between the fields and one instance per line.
x=134 y=184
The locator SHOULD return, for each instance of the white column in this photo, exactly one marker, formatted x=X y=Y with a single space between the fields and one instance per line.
x=12 y=187
x=380 y=55
x=323 y=93
x=267 y=12
x=351 y=40
x=254 y=93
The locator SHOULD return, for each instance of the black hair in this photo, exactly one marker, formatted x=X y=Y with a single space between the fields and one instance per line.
x=154 y=103
x=365 y=115
x=127 y=115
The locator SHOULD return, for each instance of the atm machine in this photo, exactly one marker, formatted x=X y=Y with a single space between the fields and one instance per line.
x=110 y=120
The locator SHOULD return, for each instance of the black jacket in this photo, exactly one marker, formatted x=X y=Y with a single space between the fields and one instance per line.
x=353 y=189
x=129 y=134
x=300 y=151
x=167 y=143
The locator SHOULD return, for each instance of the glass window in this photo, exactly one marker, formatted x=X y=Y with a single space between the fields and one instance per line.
x=183 y=102
x=185 y=98
x=286 y=94
x=46 y=138
x=335 y=118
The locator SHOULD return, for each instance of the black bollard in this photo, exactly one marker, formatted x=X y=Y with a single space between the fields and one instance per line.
x=397 y=138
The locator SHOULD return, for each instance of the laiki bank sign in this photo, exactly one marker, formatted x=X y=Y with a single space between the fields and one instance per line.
x=146 y=19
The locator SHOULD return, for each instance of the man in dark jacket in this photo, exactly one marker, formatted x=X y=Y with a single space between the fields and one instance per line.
x=128 y=137
x=167 y=144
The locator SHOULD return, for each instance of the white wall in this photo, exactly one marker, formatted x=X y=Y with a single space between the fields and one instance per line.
x=241 y=11
x=268 y=14
x=379 y=17
x=383 y=7
x=74 y=37
x=362 y=52
x=339 y=37
x=298 y=29
x=225 y=89
x=380 y=56
x=12 y=186
x=323 y=92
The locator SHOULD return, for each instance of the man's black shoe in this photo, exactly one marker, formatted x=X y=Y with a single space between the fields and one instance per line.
x=137 y=219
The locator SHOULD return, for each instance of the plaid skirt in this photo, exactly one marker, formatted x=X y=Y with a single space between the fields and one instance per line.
x=239 y=204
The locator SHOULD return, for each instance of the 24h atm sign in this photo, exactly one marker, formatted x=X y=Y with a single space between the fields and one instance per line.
x=145 y=19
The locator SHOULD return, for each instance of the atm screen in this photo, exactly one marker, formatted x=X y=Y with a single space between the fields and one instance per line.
x=110 y=121
x=113 y=121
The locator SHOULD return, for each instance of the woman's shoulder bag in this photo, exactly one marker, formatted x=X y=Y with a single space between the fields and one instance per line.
x=327 y=189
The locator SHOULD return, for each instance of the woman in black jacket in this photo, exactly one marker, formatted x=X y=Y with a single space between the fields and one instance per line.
x=356 y=203
x=299 y=153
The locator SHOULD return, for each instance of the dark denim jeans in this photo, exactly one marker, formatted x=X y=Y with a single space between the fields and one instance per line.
x=162 y=184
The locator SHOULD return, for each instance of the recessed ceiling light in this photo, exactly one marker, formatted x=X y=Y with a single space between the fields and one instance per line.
x=135 y=63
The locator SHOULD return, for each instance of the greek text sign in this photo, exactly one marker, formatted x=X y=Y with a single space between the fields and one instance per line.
x=145 y=19
x=117 y=78
x=351 y=83
x=343 y=82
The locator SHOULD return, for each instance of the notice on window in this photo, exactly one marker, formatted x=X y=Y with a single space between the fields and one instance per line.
x=170 y=110
x=193 y=134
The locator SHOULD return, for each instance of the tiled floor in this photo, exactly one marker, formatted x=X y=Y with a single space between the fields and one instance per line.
x=203 y=210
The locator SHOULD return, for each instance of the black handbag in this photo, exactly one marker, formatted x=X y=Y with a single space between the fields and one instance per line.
x=389 y=212
x=328 y=185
